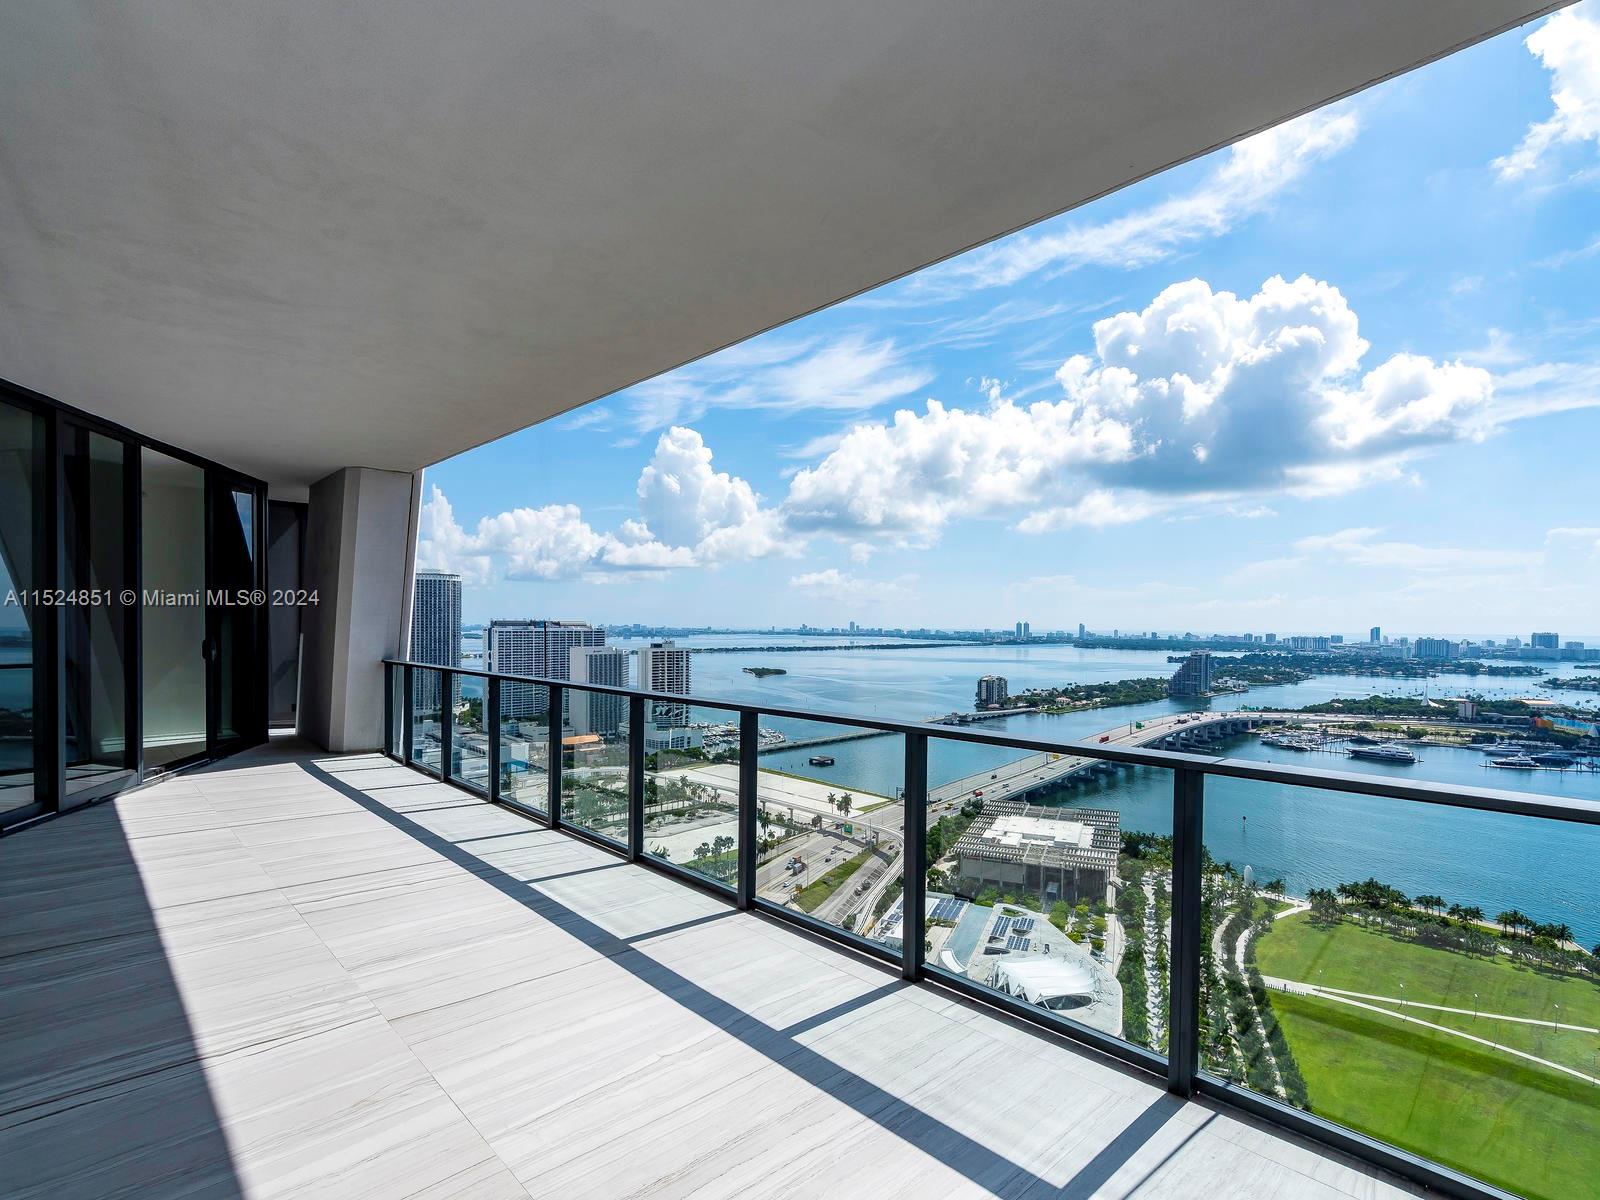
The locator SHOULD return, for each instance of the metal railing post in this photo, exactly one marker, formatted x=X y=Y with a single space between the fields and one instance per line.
x=635 y=777
x=447 y=721
x=553 y=775
x=913 y=897
x=491 y=729
x=408 y=723
x=749 y=804
x=1183 y=964
x=389 y=739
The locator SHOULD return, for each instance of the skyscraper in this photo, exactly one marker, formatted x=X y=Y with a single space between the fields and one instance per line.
x=592 y=712
x=664 y=667
x=1375 y=635
x=435 y=631
x=992 y=690
x=1545 y=641
x=534 y=647
x=1193 y=677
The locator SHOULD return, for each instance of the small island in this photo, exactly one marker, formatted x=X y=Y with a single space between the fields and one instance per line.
x=1573 y=683
x=763 y=672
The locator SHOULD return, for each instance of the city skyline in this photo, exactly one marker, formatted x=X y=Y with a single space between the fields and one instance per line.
x=1348 y=365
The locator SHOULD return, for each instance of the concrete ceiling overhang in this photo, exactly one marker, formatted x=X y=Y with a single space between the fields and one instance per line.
x=300 y=235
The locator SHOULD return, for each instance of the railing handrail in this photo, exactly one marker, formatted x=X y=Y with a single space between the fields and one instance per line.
x=1528 y=804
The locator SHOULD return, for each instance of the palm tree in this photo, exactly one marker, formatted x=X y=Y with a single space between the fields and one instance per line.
x=1471 y=914
x=1508 y=920
x=1561 y=933
x=833 y=802
x=1430 y=904
x=846 y=802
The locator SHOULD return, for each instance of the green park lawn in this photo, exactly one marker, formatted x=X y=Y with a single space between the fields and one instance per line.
x=1530 y=1129
x=813 y=894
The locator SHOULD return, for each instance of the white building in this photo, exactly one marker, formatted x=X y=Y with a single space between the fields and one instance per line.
x=533 y=647
x=592 y=712
x=664 y=667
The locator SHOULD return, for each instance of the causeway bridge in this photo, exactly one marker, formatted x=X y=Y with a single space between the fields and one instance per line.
x=1178 y=731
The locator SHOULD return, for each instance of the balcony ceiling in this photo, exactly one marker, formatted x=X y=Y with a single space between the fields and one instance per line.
x=300 y=235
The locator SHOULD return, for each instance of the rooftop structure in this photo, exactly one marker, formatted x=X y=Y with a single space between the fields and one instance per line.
x=1052 y=853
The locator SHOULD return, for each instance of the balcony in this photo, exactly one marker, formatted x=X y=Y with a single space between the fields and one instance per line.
x=308 y=973
x=295 y=971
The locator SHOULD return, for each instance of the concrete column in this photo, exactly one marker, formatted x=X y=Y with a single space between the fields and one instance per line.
x=360 y=542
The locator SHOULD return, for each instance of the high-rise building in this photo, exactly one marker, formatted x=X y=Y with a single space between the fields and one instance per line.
x=1437 y=648
x=664 y=667
x=1019 y=631
x=1193 y=677
x=592 y=712
x=1081 y=631
x=435 y=632
x=993 y=690
x=1545 y=641
x=534 y=647
x=1375 y=634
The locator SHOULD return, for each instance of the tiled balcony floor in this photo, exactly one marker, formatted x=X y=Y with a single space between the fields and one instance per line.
x=299 y=974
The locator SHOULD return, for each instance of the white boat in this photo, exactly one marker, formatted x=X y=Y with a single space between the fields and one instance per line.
x=1390 y=754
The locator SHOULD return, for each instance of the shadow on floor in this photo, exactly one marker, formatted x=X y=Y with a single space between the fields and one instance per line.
x=101 y=1087
x=981 y=1164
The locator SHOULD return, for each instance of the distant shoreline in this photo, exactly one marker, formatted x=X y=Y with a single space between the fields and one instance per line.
x=819 y=649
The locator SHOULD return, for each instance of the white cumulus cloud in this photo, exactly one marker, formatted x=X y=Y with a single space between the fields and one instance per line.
x=1202 y=395
x=690 y=515
x=1568 y=45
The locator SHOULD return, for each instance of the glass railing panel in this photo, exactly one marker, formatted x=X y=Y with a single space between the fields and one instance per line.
x=1415 y=972
x=469 y=738
x=424 y=717
x=594 y=763
x=832 y=825
x=525 y=746
x=691 y=791
x=1050 y=880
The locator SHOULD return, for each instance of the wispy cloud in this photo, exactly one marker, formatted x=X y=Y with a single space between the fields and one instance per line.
x=854 y=372
x=1243 y=184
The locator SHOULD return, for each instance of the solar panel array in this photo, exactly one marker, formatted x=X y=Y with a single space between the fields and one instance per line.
x=1018 y=943
x=948 y=908
x=1021 y=924
x=1001 y=928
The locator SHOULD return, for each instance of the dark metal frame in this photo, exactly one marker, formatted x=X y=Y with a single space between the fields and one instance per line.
x=1180 y=1068
x=49 y=641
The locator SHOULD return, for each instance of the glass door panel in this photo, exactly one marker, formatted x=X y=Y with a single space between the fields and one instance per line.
x=173 y=558
x=97 y=624
x=235 y=623
x=21 y=471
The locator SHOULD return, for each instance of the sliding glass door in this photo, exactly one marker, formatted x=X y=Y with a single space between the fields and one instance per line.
x=22 y=461
x=236 y=615
x=133 y=616
x=99 y=621
x=174 y=645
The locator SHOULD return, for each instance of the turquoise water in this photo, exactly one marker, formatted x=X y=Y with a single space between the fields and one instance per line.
x=1310 y=838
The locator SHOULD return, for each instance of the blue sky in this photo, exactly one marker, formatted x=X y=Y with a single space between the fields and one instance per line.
x=1344 y=373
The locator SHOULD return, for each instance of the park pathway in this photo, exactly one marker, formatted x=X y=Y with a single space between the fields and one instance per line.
x=1309 y=989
